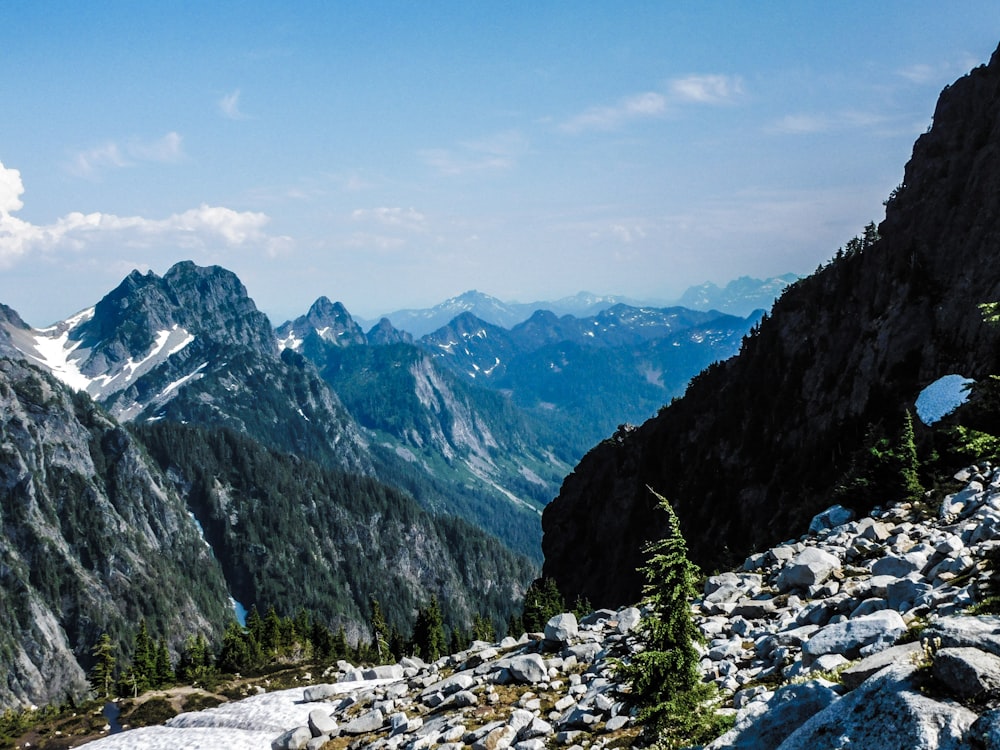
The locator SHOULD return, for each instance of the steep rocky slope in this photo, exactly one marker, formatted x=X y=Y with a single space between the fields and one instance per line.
x=757 y=443
x=94 y=538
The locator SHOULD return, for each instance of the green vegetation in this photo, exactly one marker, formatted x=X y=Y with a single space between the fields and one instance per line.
x=296 y=535
x=665 y=678
x=884 y=470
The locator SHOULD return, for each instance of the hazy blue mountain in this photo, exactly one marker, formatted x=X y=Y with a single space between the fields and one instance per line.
x=739 y=297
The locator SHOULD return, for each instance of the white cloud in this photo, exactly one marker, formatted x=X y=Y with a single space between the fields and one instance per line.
x=90 y=162
x=500 y=151
x=204 y=226
x=404 y=218
x=692 y=89
x=11 y=190
x=638 y=106
x=706 y=89
x=229 y=105
x=804 y=124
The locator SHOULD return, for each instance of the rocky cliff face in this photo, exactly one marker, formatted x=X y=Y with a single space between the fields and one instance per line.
x=93 y=539
x=756 y=444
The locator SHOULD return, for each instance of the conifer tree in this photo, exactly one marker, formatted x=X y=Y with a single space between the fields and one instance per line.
x=380 y=632
x=143 y=671
x=665 y=676
x=163 y=672
x=428 y=631
x=102 y=675
x=542 y=602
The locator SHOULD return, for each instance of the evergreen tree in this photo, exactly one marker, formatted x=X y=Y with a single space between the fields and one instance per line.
x=341 y=648
x=255 y=624
x=428 y=631
x=164 y=672
x=271 y=641
x=665 y=677
x=102 y=675
x=236 y=654
x=542 y=602
x=142 y=673
x=195 y=661
x=380 y=633
x=482 y=629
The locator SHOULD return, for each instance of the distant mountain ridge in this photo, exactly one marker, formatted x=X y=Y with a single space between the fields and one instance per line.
x=739 y=297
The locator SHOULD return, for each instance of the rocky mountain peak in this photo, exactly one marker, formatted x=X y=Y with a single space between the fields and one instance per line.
x=327 y=322
x=384 y=333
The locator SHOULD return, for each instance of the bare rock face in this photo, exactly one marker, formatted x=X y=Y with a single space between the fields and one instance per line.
x=84 y=511
x=886 y=711
x=751 y=452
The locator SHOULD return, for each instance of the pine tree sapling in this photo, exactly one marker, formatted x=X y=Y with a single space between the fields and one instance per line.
x=665 y=677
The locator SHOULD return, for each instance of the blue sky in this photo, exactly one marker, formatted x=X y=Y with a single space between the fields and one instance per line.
x=391 y=155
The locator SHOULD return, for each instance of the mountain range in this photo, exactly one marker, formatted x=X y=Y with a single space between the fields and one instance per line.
x=310 y=466
x=740 y=297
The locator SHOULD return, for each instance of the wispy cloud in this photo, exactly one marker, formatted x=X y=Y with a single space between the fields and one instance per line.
x=200 y=227
x=706 y=89
x=692 y=89
x=805 y=124
x=403 y=218
x=939 y=73
x=500 y=151
x=229 y=105
x=112 y=155
x=635 y=107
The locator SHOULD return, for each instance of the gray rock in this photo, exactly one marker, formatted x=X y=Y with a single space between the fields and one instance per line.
x=755 y=609
x=528 y=668
x=497 y=739
x=449 y=685
x=597 y=616
x=464 y=698
x=968 y=672
x=906 y=653
x=367 y=722
x=384 y=672
x=616 y=722
x=320 y=692
x=830 y=518
x=320 y=722
x=582 y=652
x=808 y=568
x=985 y=732
x=537 y=727
x=766 y=725
x=293 y=739
x=887 y=711
x=899 y=566
x=982 y=632
x=904 y=591
x=561 y=628
x=628 y=618
x=868 y=606
x=879 y=629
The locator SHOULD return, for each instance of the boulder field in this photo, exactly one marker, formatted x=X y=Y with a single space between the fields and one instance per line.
x=858 y=634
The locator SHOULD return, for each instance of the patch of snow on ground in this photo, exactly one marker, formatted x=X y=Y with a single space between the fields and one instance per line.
x=942 y=397
x=249 y=724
